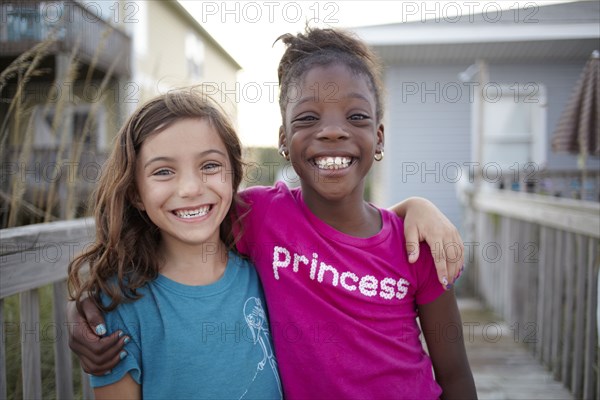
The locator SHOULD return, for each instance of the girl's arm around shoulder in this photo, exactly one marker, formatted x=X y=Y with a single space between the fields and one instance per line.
x=125 y=389
x=441 y=323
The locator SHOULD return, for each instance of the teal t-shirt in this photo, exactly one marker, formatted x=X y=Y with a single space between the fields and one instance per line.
x=191 y=342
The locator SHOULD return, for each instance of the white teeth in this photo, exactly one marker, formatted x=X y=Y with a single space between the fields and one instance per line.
x=333 y=162
x=192 y=213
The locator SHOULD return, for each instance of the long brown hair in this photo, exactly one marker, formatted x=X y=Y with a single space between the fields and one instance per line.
x=126 y=243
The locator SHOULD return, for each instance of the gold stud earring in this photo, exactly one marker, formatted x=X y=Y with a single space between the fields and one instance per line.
x=283 y=154
x=378 y=156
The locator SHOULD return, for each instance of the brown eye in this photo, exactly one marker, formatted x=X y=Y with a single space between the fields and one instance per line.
x=306 y=118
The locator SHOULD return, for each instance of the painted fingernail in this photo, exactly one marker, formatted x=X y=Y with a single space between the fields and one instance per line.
x=100 y=330
x=445 y=281
x=122 y=355
x=121 y=333
x=127 y=339
x=449 y=286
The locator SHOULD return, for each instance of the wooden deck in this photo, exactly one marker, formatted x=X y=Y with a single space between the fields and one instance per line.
x=503 y=368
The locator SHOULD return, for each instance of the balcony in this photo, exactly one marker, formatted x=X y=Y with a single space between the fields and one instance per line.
x=28 y=23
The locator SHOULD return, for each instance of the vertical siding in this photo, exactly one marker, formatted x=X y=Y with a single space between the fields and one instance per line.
x=427 y=134
x=428 y=127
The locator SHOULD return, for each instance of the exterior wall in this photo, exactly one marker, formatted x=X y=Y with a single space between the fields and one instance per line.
x=165 y=59
x=161 y=62
x=428 y=133
x=424 y=137
x=221 y=75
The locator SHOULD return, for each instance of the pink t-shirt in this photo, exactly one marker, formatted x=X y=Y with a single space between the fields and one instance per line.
x=342 y=309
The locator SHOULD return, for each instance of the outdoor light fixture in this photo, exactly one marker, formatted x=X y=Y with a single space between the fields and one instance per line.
x=468 y=74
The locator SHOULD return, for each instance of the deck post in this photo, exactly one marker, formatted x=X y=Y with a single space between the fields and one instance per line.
x=62 y=355
x=30 y=344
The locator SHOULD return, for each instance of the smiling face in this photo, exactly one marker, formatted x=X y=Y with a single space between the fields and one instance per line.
x=183 y=182
x=331 y=133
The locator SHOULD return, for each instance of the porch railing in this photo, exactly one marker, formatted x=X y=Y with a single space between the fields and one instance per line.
x=31 y=257
x=534 y=260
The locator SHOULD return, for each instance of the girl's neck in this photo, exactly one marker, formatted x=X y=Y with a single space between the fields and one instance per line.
x=194 y=265
x=351 y=215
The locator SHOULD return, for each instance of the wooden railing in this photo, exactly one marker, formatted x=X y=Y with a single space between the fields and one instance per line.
x=31 y=257
x=534 y=260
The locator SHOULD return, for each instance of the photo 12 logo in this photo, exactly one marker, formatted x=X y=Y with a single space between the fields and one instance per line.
x=269 y=11
x=469 y=11
x=53 y=12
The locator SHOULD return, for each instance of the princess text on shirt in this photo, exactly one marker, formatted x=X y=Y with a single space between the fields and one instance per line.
x=388 y=288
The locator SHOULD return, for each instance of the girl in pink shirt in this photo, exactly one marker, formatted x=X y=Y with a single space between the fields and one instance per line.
x=331 y=259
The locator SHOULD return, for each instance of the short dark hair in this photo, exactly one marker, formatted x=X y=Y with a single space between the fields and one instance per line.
x=317 y=46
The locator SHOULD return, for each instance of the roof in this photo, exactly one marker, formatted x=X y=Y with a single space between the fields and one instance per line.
x=194 y=23
x=550 y=32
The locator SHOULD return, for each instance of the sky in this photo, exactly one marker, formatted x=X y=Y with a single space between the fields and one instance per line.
x=248 y=29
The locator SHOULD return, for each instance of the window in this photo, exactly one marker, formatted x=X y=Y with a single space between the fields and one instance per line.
x=23 y=22
x=194 y=56
x=514 y=126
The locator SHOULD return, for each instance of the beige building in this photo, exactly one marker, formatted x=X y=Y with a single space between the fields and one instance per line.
x=171 y=49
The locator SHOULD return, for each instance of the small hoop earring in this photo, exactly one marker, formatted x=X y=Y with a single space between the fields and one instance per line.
x=378 y=156
x=283 y=154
